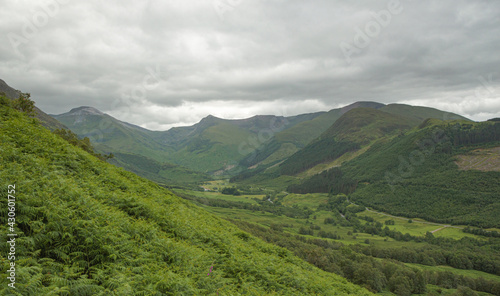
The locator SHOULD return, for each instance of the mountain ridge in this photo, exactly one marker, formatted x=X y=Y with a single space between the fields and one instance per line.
x=46 y=120
x=215 y=145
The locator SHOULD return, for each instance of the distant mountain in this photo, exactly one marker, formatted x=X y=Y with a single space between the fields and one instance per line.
x=291 y=140
x=134 y=148
x=336 y=134
x=45 y=119
x=354 y=129
x=212 y=145
x=111 y=135
x=217 y=145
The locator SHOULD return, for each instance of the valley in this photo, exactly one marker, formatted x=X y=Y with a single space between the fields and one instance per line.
x=365 y=187
x=260 y=211
x=360 y=200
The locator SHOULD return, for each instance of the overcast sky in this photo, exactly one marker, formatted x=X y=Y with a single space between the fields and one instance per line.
x=168 y=63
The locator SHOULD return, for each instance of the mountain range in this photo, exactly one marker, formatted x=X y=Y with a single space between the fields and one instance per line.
x=219 y=146
x=315 y=182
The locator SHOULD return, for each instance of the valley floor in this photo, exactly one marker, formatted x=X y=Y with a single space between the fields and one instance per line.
x=256 y=207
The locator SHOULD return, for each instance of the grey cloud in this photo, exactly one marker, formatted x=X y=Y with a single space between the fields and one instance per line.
x=263 y=53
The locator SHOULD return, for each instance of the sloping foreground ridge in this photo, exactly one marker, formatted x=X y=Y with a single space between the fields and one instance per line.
x=88 y=228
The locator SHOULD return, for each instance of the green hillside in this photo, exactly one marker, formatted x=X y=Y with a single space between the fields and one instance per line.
x=364 y=125
x=216 y=146
x=162 y=173
x=418 y=114
x=111 y=135
x=416 y=175
x=86 y=227
x=213 y=145
x=354 y=129
x=289 y=141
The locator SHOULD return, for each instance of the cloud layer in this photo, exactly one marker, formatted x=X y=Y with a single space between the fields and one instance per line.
x=160 y=64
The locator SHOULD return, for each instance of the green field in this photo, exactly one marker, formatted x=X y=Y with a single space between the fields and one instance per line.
x=470 y=273
x=308 y=200
x=217 y=195
x=435 y=291
x=419 y=227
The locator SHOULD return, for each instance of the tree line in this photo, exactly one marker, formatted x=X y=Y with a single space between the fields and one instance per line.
x=352 y=263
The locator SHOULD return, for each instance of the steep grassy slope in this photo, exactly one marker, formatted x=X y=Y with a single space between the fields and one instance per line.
x=416 y=175
x=111 y=135
x=163 y=173
x=88 y=228
x=354 y=129
x=305 y=132
x=364 y=125
x=290 y=140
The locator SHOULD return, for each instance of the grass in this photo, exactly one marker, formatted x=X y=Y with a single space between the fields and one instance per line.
x=283 y=152
x=435 y=290
x=470 y=273
x=417 y=228
x=309 y=200
x=266 y=219
x=312 y=201
x=217 y=195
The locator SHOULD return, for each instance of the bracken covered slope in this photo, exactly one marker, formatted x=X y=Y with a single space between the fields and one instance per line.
x=88 y=228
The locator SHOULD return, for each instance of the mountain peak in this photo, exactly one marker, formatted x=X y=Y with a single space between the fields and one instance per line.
x=210 y=116
x=85 y=110
x=210 y=119
x=362 y=104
